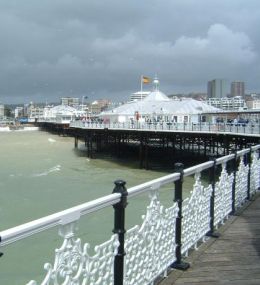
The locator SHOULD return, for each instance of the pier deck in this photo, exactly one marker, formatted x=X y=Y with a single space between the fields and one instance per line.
x=231 y=259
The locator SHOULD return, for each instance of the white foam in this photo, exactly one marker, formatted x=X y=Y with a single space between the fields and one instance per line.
x=29 y=129
x=51 y=140
x=53 y=169
x=4 y=129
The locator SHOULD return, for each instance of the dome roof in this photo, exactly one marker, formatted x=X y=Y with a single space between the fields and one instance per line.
x=164 y=106
x=157 y=102
x=156 y=96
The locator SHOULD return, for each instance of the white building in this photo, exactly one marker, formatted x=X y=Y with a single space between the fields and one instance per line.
x=2 y=110
x=70 y=101
x=232 y=104
x=158 y=107
x=18 y=112
x=254 y=104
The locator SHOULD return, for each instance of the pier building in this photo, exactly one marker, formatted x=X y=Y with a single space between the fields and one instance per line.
x=156 y=106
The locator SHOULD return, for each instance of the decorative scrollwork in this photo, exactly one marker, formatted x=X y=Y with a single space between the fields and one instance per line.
x=150 y=249
x=74 y=266
x=223 y=196
x=196 y=215
x=255 y=173
x=241 y=183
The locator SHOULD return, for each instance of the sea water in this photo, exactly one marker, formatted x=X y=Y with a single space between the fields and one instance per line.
x=41 y=174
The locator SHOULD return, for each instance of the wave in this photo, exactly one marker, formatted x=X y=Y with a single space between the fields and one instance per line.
x=53 y=169
x=4 y=129
x=51 y=140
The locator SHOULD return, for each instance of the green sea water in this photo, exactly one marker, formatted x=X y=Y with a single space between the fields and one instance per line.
x=41 y=174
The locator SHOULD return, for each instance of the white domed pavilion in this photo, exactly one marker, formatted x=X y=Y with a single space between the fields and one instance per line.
x=158 y=107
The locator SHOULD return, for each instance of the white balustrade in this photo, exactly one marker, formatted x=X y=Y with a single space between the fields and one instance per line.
x=241 y=183
x=255 y=173
x=150 y=248
x=196 y=215
x=73 y=265
x=164 y=126
x=223 y=195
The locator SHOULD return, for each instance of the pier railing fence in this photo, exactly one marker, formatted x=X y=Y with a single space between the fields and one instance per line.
x=250 y=128
x=141 y=254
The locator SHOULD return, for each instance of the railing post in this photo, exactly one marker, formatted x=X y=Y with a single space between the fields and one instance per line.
x=1 y=253
x=212 y=178
x=234 y=166
x=249 y=161
x=119 y=228
x=179 y=264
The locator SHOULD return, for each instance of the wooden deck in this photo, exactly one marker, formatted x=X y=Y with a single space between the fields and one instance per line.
x=232 y=259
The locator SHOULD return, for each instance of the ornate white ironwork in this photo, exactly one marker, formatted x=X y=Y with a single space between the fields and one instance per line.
x=150 y=249
x=241 y=183
x=196 y=215
x=223 y=196
x=255 y=173
x=74 y=266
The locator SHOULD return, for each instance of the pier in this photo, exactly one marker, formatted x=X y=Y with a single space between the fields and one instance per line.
x=145 y=253
x=168 y=141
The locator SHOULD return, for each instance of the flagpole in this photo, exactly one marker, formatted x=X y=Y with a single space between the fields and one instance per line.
x=141 y=96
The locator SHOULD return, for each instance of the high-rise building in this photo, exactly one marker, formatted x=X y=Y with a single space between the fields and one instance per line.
x=238 y=89
x=218 y=88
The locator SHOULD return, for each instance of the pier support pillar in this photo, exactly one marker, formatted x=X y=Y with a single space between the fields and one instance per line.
x=76 y=142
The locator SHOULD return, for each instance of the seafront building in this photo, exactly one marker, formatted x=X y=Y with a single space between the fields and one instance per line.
x=70 y=101
x=2 y=110
x=233 y=103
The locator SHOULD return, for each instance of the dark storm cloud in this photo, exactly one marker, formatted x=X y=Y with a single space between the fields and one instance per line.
x=55 y=48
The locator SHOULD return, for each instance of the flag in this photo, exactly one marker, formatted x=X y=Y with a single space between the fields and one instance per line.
x=146 y=79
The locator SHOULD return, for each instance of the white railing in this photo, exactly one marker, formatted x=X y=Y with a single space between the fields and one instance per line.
x=144 y=252
x=249 y=128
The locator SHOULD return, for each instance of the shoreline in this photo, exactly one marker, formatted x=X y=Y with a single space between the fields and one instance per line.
x=18 y=128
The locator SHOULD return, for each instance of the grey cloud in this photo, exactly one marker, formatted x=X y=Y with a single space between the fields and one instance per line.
x=57 y=48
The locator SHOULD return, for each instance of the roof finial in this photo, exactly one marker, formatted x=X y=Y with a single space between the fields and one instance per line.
x=156 y=83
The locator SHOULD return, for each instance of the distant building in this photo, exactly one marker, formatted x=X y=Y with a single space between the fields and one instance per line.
x=60 y=113
x=217 y=88
x=237 y=89
x=253 y=104
x=137 y=96
x=2 y=110
x=70 y=101
x=35 y=112
x=234 y=103
x=98 y=106
x=18 y=112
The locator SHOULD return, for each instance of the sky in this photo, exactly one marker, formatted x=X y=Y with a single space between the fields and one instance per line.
x=100 y=48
